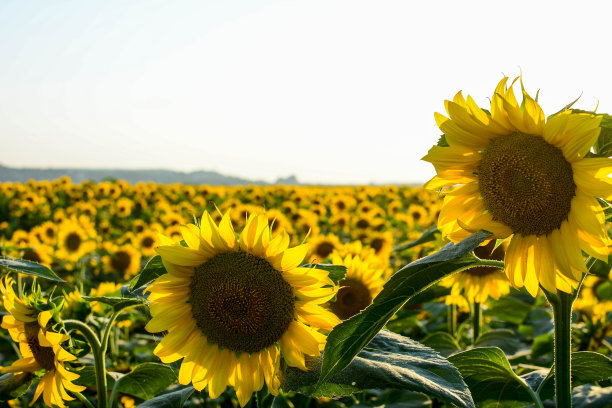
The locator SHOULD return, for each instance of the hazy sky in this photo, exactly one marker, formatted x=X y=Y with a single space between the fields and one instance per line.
x=331 y=91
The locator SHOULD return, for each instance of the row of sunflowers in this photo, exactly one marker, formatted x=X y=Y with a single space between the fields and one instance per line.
x=117 y=295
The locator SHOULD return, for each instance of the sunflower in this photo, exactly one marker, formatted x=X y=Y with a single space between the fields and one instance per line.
x=146 y=242
x=478 y=283
x=522 y=177
x=74 y=240
x=321 y=247
x=40 y=348
x=232 y=307
x=122 y=260
x=363 y=281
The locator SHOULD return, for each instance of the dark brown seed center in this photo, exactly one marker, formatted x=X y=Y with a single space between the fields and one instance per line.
x=241 y=302
x=353 y=296
x=526 y=183
x=43 y=355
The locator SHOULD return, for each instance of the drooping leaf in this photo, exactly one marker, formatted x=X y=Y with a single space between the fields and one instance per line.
x=117 y=303
x=508 y=309
x=29 y=268
x=349 y=337
x=388 y=361
x=173 y=399
x=427 y=236
x=503 y=338
x=146 y=380
x=14 y=385
x=152 y=270
x=490 y=377
x=442 y=342
x=336 y=272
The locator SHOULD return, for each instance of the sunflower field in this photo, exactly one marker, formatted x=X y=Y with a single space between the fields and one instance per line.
x=471 y=291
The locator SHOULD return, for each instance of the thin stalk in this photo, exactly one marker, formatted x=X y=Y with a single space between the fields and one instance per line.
x=96 y=350
x=84 y=400
x=19 y=286
x=452 y=319
x=475 y=322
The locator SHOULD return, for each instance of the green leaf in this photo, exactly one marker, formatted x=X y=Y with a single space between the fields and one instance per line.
x=29 y=268
x=388 y=361
x=347 y=338
x=152 y=270
x=336 y=272
x=117 y=303
x=442 y=342
x=503 y=338
x=427 y=236
x=604 y=291
x=14 y=385
x=508 y=309
x=587 y=367
x=173 y=399
x=606 y=207
x=492 y=381
x=87 y=377
x=603 y=146
x=146 y=380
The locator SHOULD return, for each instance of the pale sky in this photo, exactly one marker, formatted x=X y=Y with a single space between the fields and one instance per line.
x=332 y=91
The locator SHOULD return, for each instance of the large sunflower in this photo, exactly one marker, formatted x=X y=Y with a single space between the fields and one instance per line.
x=528 y=178
x=40 y=348
x=232 y=307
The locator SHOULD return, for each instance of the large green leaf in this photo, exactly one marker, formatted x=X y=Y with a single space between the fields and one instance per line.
x=388 y=361
x=492 y=381
x=173 y=399
x=349 y=337
x=152 y=270
x=427 y=236
x=587 y=367
x=442 y=342
x=87 y=377
x=29 y=268
x=508 y=309
x=146 y=380
x=503 y=338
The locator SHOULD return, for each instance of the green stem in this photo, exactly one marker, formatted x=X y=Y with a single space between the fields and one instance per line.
x=19 y=286
x=84 y=400
x=561 y=303
x=475 y=322
x=99 y=362
x=452 y=319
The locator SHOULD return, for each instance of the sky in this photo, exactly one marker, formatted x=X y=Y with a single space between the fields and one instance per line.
x=331 y=91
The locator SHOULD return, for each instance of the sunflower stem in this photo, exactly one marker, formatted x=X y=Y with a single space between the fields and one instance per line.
x=475 y=322
x=452 y=319
x=96 y=350
x=83 y=399
x=561 y=303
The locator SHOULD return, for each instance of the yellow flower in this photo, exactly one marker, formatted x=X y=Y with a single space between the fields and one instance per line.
x=122 y=260
x=525 y=178
x=321 y=247
x=233 y=307
x=40 y=348
x=363 y=281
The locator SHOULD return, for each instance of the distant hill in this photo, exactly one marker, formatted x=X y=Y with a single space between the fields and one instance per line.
x=132 y=176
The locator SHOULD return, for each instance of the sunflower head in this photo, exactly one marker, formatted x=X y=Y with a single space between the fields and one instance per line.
x=30 y=322
x=233 y=307
x=518 y=175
